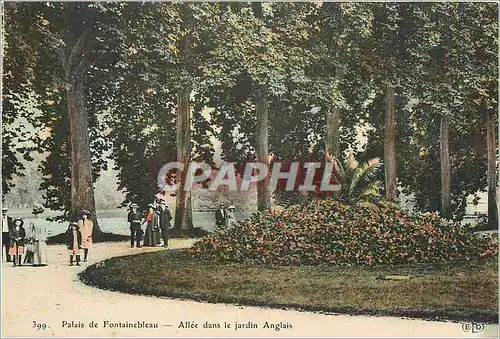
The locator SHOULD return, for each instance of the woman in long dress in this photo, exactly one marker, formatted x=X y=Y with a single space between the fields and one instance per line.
x=152 y=234
x=231 y=218
x=40 y=235
x=29 y=245
x=86 y=227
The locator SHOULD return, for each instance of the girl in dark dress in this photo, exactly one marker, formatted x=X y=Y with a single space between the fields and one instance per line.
x=17 y=235
x=74 y=243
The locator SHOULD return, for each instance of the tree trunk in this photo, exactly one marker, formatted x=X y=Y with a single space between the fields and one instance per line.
x=332 y=142
x=183 y=209
x=444 y=157
x=263 y=198
x=492 y=173
x=390 y=147
x=82 y=188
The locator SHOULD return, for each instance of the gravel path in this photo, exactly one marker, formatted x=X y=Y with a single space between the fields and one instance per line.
x=51 y=302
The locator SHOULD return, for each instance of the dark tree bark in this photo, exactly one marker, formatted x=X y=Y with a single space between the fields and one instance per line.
x=390 y=147
x=75 y=65
x=445 y=172
x=263 y=198
x=82 y=188
x=492 y=173
x=332 y=142
x=183 y=210
x=261 y=108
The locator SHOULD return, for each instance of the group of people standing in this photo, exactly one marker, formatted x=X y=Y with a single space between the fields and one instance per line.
x=151 y=225
x=225 y=218
x=156 y=221
x=79 y=237
x=18 y=242
x=32 y=242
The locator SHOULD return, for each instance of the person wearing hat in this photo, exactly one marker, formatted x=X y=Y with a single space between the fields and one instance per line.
x=152 y=235
x=74 y=242
x=17 y=234
x=221 y=216
x=6 y=225
x=134 y=218
x=86 y=228
x=165 y=217
x=231 y=218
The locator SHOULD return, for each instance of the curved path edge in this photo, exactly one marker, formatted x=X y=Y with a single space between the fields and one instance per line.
x=53 y=302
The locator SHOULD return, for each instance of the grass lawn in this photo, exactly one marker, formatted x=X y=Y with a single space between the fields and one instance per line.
x=460 y=292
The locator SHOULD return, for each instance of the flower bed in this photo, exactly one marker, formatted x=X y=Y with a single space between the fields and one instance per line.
x=327 y=232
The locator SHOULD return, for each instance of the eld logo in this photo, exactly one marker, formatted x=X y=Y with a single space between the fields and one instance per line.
x=473 y=327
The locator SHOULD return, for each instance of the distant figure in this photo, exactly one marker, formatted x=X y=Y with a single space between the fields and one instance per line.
x=152 y=233
x=40 y=239
x=134 y=218
x=29 y=245
x=86 y=228
x=221 y=216
x=6 y=225
x=17 y=235
x=231 y=218
x=74 y=243
x=165 y=217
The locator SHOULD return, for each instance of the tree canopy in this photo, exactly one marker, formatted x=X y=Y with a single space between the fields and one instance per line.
x=270 y=81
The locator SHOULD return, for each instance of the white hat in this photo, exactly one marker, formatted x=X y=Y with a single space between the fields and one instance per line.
x=231 y=207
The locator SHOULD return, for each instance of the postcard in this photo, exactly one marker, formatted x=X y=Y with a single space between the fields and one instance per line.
x=249 y=169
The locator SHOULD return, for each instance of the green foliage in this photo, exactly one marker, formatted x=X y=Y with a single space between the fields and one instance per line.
x=441 y=58
x=441 y=62
x=37 y=45
x=358 y=180
x=329 y=232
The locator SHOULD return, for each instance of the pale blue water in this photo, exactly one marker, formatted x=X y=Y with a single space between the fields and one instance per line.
x=115 y=221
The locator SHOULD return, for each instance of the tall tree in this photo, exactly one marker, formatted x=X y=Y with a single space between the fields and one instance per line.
x=492 y=172
x=67 y=38
x=390 y=146
x=262 y=134
x=183 y=210
x=445 y=171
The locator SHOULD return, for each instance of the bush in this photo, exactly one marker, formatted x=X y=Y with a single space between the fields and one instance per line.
x=328 y=232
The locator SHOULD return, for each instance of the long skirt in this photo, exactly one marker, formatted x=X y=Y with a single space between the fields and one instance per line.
x=40 y=253
x=151 y=236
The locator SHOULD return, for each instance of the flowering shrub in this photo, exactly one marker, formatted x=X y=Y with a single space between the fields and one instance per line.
x=326 y=231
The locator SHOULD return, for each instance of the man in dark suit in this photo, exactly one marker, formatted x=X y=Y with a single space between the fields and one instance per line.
x=6 y=225
x=221 y=216
x=134 y=218
x=165 y=217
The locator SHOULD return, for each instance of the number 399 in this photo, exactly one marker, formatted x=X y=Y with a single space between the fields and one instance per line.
x=39 y=326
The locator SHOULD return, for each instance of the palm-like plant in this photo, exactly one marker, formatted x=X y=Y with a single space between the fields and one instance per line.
x=358 y=181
